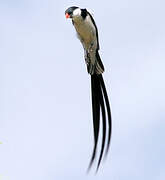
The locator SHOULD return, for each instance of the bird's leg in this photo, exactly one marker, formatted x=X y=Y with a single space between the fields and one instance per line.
x=86 y=56
x=90 y=49
x=91 y=58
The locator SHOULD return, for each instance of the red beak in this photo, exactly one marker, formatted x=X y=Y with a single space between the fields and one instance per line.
x=67 y=15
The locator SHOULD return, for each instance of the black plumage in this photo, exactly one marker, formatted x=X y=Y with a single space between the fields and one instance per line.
x=100 y=102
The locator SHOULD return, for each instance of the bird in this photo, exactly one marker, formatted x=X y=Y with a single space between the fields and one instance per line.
x=87 y=33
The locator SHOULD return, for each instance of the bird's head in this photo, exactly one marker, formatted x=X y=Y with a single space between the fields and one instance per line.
x=72 y=12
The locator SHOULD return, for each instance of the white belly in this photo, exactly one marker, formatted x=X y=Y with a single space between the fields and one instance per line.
x=86 y=31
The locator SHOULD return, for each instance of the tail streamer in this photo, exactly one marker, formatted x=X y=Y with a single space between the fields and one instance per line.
x=100 y=103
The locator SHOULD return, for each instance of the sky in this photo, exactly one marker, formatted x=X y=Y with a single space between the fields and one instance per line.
x=45 y=104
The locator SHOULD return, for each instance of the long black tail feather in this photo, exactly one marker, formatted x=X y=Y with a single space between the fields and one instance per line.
x=109 y=113
x=99 y=101
x=104 y=126
x=96 y=115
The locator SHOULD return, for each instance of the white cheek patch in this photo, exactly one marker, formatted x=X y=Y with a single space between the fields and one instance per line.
x=77 y=12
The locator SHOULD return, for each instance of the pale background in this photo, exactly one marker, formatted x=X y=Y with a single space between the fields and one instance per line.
x=45 y=108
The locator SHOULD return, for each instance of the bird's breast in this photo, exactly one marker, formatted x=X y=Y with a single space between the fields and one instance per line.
x=85 y=31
